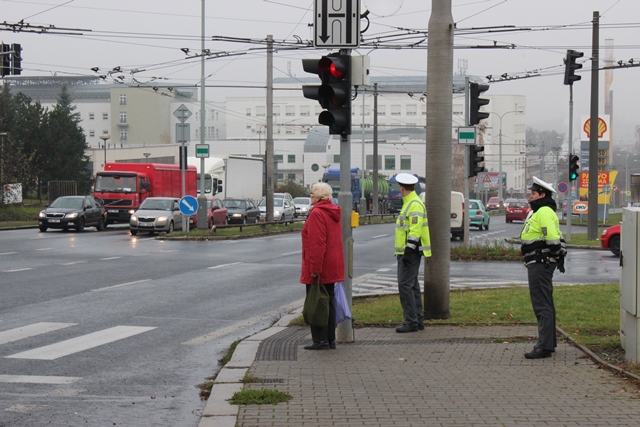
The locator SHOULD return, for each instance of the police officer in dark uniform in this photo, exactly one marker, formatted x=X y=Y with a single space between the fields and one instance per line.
x=544 y=250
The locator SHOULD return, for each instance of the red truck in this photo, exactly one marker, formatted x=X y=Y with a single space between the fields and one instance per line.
x=123 y=186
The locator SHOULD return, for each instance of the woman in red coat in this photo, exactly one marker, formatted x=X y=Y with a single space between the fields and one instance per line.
x=323 y=257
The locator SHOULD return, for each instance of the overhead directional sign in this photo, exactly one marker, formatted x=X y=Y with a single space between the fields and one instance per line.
x=337 y=23
x=188 y=205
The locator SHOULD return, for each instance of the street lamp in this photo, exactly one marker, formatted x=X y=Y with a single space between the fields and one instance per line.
x=500 y=116
x=105 y=137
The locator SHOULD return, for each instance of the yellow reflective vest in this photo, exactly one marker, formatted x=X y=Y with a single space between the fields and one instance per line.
x=541 y=237
x=412 y=226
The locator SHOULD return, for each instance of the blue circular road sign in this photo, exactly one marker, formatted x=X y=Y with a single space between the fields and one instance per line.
x=563 y=187
x=188 y=205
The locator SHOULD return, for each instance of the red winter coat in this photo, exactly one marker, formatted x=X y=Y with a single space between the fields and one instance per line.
x=322 y=244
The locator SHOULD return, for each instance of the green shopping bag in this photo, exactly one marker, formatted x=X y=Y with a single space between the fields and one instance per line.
x=316 y=306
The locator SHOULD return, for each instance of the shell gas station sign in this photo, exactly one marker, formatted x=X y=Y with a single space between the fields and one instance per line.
x=606 y=178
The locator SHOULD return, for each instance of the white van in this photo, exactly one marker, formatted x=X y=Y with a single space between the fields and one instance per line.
x=457 y=214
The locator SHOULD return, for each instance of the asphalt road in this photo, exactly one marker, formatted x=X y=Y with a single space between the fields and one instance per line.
x=103 y=328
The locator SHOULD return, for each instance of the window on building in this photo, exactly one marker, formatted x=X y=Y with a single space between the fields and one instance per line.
x=289 y=130
x=248 y=113
x=304 y=110
x=290 y=110
x=291 y=158
x=260 y=110
x=123 y=135
x=370 y=161
x=105 y=116
x=412 y=110
x=249 y=126
x=92 y=116
x=405 y=163
x=276 y=110
x=123 y=117
x=336 y=159
x=389 y=162
x=396 y=110
x=381 y=110
x=123 y=99
x=279 y=158
x=92 y=133
x=291 y=177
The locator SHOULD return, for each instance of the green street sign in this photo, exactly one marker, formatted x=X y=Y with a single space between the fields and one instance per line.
x=467 y=135
x=202 y=151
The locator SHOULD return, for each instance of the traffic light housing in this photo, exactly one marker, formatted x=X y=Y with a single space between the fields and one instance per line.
x=16 y=59
x=5 y=60
x=571 y=66
x=475 y=102
x=574 y=167
x=476 y=160
x=334 y=94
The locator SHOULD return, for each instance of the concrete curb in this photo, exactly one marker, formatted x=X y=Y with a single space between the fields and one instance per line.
x=218 y=412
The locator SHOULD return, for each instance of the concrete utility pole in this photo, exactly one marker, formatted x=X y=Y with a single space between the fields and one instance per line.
x=592 y=216
x=269 y=143
x=438 y=159
x=202 y=222
x=375 y=151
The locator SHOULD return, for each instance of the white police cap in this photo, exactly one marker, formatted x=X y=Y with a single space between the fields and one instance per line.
x=539 y=184
x=406 y=179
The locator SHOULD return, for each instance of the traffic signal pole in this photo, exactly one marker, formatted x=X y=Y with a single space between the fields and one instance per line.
x=572 y=183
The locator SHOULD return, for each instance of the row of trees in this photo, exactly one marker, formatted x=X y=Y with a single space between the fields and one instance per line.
x=40 y=145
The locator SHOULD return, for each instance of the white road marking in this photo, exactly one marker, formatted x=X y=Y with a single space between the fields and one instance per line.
x=18 y=269
x=38 y=379
x=120 y=285
x=74 y=262
x=17 y=334
x=110 y=258
x=84 y=342
x=45 y=249
x=291 y=253
x=8 y=253
x=380 y=236
x=223 y=265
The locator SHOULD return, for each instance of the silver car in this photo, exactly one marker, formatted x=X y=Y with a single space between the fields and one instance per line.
x=303 y=206
x=283 y=210
x=156 y=214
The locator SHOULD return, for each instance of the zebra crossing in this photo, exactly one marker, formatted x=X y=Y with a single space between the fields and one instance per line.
x=60 y=349
x=385 y=284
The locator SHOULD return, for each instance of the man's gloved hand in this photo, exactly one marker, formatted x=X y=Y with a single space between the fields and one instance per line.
x=561 y=264
x=407 y=254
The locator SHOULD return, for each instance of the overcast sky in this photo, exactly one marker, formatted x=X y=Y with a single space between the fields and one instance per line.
x=147 y=35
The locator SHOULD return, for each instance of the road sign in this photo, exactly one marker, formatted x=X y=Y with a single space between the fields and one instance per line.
x=202 y=151
x=337 y=23
x=467 y=135
x=188 y=205
x=580 y=207
x=486 y=178
x=183 y=131
x=563 y=187
x=182 y=113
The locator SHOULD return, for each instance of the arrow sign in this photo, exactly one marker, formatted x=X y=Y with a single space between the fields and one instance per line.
x=188 y=205
x=337 y=23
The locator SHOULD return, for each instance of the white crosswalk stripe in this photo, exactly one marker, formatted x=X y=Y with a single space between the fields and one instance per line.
x=384 y=284
x=81 y=343
x=38 y=379
x=31 y=331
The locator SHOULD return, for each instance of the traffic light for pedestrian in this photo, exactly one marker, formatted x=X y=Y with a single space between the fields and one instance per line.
x=571 y=66
x=475 y=102
x=334 y=94
x=574 y=167
x=16 y=59
x=5 y=60
x=476 y=160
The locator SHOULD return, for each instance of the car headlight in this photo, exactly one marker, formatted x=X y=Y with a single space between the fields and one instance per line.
x=604 y=232
x=42 y=214
x=237 y=215
x=162 y=220
x=276 y=213
x=303 y=209
x=72 y=215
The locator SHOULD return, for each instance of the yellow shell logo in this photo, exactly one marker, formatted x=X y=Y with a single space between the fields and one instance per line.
x=602 y=127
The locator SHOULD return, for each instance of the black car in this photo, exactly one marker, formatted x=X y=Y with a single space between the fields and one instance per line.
x=73 y=212
x=241 y=211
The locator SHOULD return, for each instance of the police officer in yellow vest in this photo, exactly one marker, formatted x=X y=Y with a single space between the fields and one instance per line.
x=412 y=241
x=544 y=249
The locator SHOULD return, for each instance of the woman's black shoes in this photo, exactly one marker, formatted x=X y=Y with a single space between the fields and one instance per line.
x=322 y=345
x=332 y=345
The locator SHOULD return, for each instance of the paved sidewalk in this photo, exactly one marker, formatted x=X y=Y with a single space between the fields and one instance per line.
x=442 y=376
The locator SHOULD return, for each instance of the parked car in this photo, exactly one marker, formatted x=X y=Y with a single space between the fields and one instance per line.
x=495 y=204
x=156 y=214
x=610 y=239
x=478 y=214
x=509 y=201
x=216 y=214
x=283 y=209
x=73 y=212
x=516 y=211
x=303 y=206
x=241 y=211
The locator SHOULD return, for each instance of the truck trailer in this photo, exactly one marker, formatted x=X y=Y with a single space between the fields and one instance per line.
x=123 y=186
